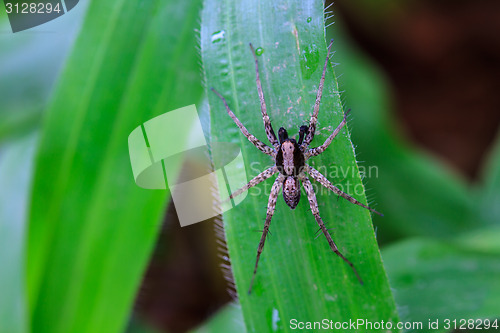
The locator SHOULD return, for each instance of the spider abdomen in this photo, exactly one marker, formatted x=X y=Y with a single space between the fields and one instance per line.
x=291 y=191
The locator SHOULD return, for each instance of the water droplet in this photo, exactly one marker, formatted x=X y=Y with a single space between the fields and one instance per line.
x=309 y=60
x=309 y=19
x=218 y=36
x=276 y=319
x=259 y=51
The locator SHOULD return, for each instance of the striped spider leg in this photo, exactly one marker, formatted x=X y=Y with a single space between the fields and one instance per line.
x=289 y=157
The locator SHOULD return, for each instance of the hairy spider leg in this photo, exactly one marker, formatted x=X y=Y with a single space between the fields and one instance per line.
x=317 y=176
x=271 y=205
x=318 y=150
x=256 y=142
x=314 y=116
x=267 y=122
x=255 y=181
x=315 y=211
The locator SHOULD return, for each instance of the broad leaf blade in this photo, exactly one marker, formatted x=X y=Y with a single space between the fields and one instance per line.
x=91 y=228
x=299 y=277
x=437 y=280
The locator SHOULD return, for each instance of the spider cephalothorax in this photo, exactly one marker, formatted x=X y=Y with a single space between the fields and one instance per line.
x=290 y=158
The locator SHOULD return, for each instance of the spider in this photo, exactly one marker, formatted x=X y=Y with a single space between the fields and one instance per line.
x=290 y=156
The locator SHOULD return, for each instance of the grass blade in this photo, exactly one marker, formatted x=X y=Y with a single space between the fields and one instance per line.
x=299 y=277
x=227 y=320
x=15 y=173
x=91 y=228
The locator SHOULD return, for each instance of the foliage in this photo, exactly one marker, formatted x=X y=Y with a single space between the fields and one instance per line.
x=87 y=230
x=298 y=277
x=86 y=213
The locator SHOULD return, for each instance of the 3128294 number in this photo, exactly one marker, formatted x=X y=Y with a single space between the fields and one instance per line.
x=462 y=324
x=32 y=8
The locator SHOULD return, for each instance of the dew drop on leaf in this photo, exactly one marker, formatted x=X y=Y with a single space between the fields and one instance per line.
x=218 y=36
x=309 y=60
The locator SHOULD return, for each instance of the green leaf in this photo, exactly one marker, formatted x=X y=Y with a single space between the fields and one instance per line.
x=227 y=320
x=91 y=228
x=25 y=87
x=15 y=173
x=418 y=195
x=29 y=64
x=482 y=240
x=3 y=17
x=18 y=124
x=437 y=280
x=299 y=277
x=488 y=191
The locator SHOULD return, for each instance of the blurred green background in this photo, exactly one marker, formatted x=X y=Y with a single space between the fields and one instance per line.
x=421 y=78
